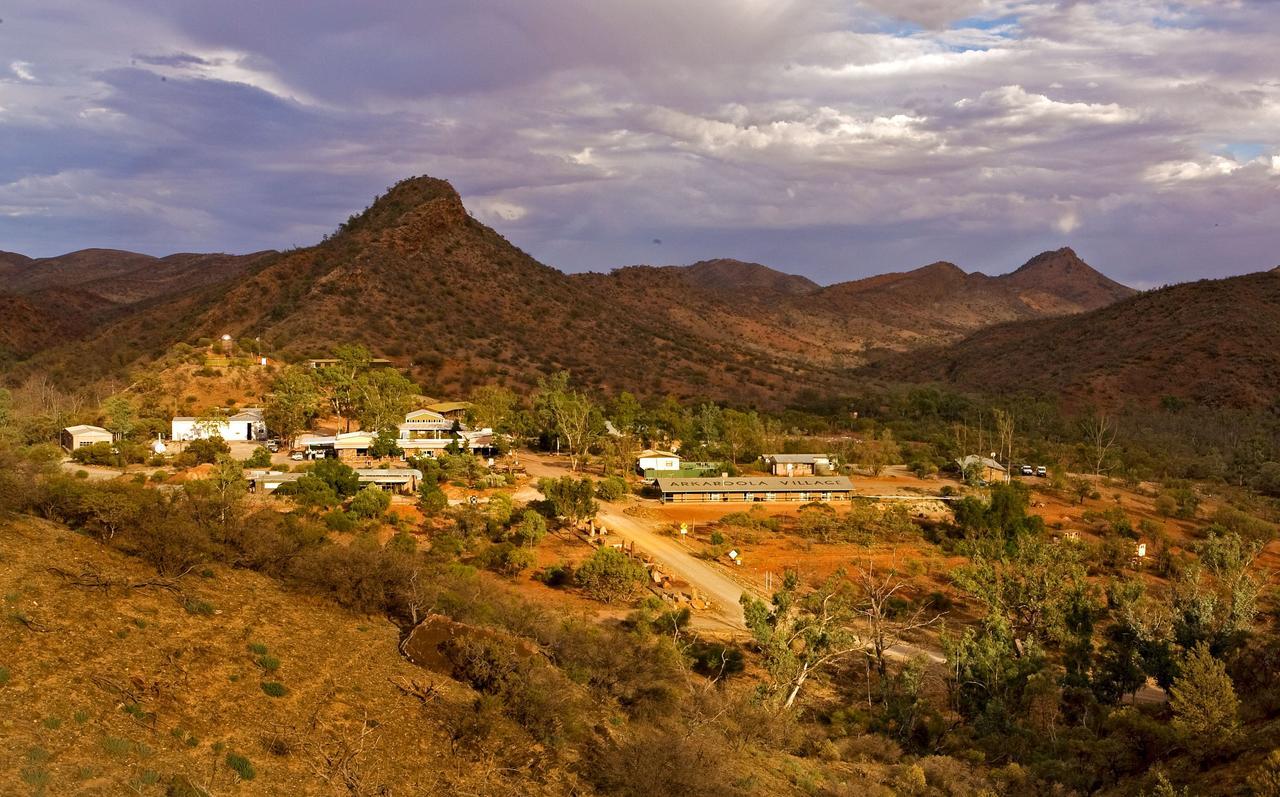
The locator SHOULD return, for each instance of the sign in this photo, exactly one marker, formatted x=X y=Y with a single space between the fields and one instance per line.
x=684 y=529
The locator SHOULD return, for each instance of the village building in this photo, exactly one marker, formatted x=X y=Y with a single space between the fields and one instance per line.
x=247 y=424
x=655 y=460
x=399 y=480
x=799 y=464
x=755 y=489
x=453 y=410
x=82 y=435
x=981 y=468
x=324 y=362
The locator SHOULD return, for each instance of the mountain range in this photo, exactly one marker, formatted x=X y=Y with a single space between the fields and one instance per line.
x=419 y=280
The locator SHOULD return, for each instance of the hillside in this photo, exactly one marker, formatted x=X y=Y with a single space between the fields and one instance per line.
x=1212 y=342
x=119 y=277
x=730 y=278
x=417 y=279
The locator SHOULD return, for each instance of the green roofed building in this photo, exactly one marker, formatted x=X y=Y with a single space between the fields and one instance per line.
x=752 y=489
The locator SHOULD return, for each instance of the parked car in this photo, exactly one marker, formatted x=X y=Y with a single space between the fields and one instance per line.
x=1027 y=470
x=272 y=445
x=297 y=456
x=1042 y=471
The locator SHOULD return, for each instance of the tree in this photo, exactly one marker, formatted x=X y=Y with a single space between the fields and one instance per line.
x=1265 y=780
x=626 y=413
x=884 y=626
x=1203 y=699
x=382 y=396
x=1004 y=423
x=1027 y=590
x=338 y=381
x=1099 y=435
x=216 y=502
x=121 y=420
x=801 y=635
x=609 y=575
x=338 y=475
x=371 y=502
x=572 y=415
x=491 y=407
x=878 y=452
x=291 y=403
x=431 y=499
x=742 y=434
x=531 y=529
x=572 y=499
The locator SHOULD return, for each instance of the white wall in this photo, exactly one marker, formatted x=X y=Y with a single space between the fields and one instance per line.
x=659 y=463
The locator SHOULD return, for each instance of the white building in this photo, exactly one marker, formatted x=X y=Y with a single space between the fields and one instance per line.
x=247 y=424
x=652 y=459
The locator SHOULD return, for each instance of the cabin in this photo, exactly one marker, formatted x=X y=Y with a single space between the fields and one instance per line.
x=82 y=435
x=754 y=489
x=984 y=469
x=799 y=464
x=247 y=424
x=655 y=460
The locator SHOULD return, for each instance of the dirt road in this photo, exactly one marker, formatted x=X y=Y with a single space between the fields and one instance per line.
x=723 y=591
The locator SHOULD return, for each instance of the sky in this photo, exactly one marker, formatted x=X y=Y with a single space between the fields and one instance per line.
x=830 y=138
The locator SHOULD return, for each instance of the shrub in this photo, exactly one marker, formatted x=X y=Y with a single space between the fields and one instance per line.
x=198 y=607
x=507 y=559
x=242 y=766
x=371 y=502
x=95 y=454
x=531 y=528
x=611 y=488
x=556 y=575
x=258 y=648
x=339 y=521
x=260 y=458
x=431 y=499
x=274 y=688
x=4 y=675
x=199 y=452
x=610 y=575
x=269 y=663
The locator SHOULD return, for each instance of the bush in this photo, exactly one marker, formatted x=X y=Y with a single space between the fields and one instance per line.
x=431 y=499
x=260 y=458
x=95 y=454
x=611 y=488
x=531 y=528
x=339 y=521
x=242 y=766
x=274 y=688
x=199 y=452
x=507 y=559
x=610 y=575
x=371 y=502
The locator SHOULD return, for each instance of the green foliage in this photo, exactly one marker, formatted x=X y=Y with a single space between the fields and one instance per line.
x=292 y=401
x=4 y=676
x=371 y=502
x=609 y=575
x=800 y=635
x=572 y=499
x=864 y=523
x=198 y=607
x=241 y=766
x=508 y=559
x=1265 y=780
x=611 y=488
x=340 y=521
x=260 y=458
x=274 y=688
x=1026 y=591
x=1203 y=699
x=385 y=445
x=339 y=476
x=202 y=451
x=431 y=499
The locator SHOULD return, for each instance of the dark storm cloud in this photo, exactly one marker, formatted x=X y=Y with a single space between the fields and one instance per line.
x=831 y=138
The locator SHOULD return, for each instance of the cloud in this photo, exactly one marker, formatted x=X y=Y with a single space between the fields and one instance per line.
x=823 y=136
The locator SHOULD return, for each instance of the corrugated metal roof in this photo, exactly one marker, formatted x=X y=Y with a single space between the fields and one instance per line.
x=84 y=428
x=798 y=459
x=756 y=484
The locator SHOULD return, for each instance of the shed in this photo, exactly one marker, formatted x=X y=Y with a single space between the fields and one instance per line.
x=82 y=435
